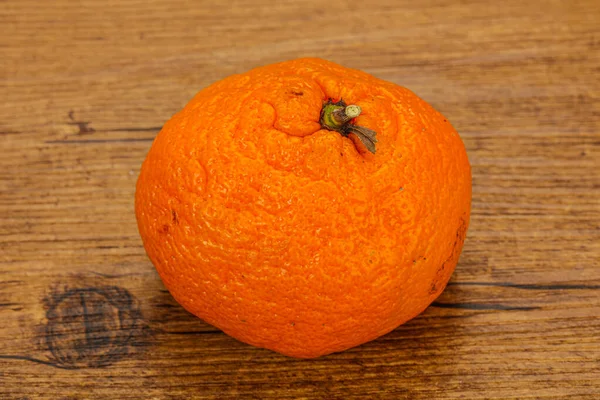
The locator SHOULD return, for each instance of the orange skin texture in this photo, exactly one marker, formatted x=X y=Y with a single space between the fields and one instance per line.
x=295 y=238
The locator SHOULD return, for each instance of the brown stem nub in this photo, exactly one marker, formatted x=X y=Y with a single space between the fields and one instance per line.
x=337 y=117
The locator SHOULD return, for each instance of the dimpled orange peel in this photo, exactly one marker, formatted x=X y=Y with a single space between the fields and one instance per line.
x=305 y=207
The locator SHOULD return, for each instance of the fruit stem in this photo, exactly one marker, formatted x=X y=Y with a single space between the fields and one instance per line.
x=337 y=117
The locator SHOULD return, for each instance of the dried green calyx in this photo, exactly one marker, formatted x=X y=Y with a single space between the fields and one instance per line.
x=338 y=117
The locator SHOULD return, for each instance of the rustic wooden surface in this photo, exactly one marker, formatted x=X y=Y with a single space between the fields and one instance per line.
x=87 y=85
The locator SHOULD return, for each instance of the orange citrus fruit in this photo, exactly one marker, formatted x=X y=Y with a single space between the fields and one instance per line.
x=305 y=207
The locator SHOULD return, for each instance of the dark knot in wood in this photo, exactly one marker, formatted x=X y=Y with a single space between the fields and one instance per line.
x=92 y=327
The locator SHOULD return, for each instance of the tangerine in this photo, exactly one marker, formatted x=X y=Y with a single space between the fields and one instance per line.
x=305 y=207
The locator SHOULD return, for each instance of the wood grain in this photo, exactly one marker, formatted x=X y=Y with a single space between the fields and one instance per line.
x=85 y=88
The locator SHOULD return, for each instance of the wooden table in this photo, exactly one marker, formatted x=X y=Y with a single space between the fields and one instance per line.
x=87 y=85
